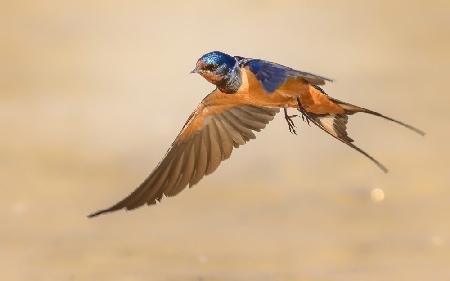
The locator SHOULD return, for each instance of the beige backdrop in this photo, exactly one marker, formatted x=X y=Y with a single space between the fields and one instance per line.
x=93 y=92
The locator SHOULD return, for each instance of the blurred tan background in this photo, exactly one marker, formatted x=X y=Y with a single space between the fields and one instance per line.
x=93 y=92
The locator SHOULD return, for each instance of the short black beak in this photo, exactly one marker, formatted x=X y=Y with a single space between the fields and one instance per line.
x=195 y=70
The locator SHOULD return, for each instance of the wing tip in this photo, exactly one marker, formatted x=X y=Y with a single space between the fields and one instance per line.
x=322 y=81
x=120 y=206
x=98 y=213
x=107 y=210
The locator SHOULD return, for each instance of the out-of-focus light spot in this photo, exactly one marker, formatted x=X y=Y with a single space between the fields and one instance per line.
x=437 y=240
x=377 y=195
x=19 y=208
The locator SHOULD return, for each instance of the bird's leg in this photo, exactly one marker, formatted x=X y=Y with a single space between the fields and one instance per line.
x=290 y=122
x=303 y=111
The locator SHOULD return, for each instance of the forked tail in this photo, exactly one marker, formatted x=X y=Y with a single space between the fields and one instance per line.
x=336 y=125
x=351 y=109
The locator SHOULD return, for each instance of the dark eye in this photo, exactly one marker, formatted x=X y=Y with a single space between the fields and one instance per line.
x=211 y=67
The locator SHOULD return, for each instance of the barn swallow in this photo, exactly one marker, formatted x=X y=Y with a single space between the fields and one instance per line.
x=248 y=94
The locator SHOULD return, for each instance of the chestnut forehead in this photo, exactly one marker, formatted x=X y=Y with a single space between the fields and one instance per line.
x=201 y=64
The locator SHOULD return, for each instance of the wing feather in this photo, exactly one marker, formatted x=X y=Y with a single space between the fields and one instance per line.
x=272 y=75
x=226 y=140
x=245 y=132
x=261 y=114
x=237 y=137
x=207 y=138
x=202 y=159
x=247 y=120
x=184 y=172
x=215 y=155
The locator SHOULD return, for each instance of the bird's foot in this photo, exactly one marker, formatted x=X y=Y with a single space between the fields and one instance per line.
x=302 y=110
x=290 y=122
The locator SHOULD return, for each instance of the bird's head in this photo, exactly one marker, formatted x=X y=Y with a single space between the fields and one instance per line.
x=216 y=67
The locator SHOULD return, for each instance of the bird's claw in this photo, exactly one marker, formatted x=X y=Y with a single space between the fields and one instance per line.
x=290 y=122
x=303 y=112
x=305 y=117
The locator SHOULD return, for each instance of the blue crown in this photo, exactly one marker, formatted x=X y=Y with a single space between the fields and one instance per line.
x=218 y=58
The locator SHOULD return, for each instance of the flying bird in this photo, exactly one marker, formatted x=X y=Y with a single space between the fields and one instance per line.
x=248 y=95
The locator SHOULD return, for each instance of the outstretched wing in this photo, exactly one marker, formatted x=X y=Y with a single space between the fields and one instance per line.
x=272 y=75
x=207 y=138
